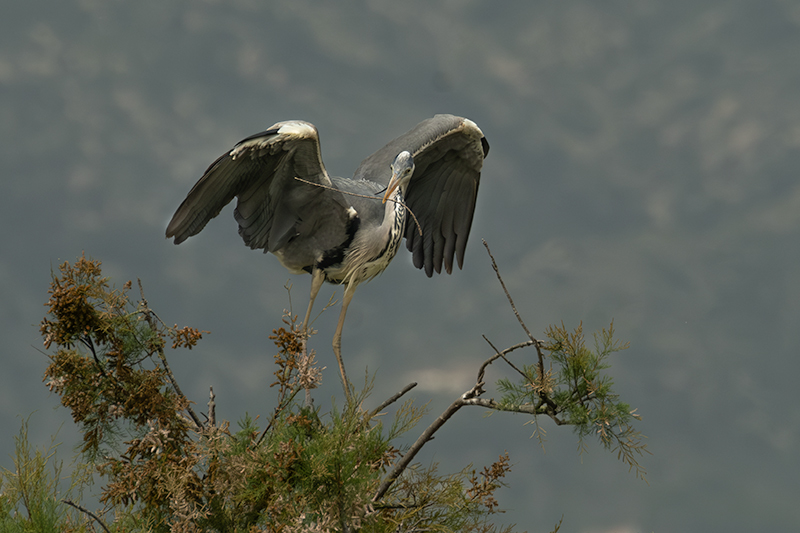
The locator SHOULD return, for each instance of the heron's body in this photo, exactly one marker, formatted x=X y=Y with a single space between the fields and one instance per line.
x=338 y=229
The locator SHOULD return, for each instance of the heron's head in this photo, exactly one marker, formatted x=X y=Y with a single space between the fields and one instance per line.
x=402 y=169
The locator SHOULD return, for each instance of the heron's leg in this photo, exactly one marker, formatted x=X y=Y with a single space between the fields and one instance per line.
x=349 y=290
x=317 y=278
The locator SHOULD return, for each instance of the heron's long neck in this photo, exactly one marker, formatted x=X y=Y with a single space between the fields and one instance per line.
x=395 y=212
x=394 y=221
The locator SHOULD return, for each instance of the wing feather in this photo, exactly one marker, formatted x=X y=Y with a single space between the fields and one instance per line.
x=272 y=206
x=448 y=157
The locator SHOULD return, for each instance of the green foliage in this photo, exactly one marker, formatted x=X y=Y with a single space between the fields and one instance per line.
x=576 y=392
x=165 y=470
x=31 y=494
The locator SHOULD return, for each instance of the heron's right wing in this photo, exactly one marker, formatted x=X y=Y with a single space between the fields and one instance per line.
x=261 y=171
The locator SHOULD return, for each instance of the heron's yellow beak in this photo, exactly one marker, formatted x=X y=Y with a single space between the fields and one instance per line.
x=393 y=183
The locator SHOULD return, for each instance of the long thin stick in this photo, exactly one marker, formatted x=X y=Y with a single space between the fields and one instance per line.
x=419 y=227
x=502 y=354
x=502 y=284
x=393 y=399
x=537 y=343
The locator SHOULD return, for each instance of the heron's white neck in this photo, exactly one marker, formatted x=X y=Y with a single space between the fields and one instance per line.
x=373 y=248
x=394 y=216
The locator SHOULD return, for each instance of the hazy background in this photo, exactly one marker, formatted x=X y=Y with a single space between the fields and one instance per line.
x=643 y=168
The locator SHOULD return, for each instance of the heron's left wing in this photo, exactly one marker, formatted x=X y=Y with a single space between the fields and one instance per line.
x=448 y=157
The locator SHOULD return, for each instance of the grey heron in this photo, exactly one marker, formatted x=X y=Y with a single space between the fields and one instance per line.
x=288 y=204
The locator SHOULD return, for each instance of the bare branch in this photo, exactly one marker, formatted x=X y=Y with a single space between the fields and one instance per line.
x=148 y=316
x=537 y=343
x=525 y=408
x=393 y=399
x=498 y=354
x=416 y=447
x=471 y=397
x=508 y=295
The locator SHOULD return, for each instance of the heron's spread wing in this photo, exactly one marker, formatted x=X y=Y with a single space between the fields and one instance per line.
x=448 y=156
x=272 y=205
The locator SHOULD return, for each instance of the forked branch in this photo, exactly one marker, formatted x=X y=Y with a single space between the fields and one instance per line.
x=538 y=392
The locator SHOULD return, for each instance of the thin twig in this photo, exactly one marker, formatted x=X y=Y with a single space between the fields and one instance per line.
x=370 y=197
x=537 y=343
x=502 y=354
x=510 y=300
x=540 y=369
x=491 y=404
x=88 y=512
x=148 y=316
x=393 y=399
